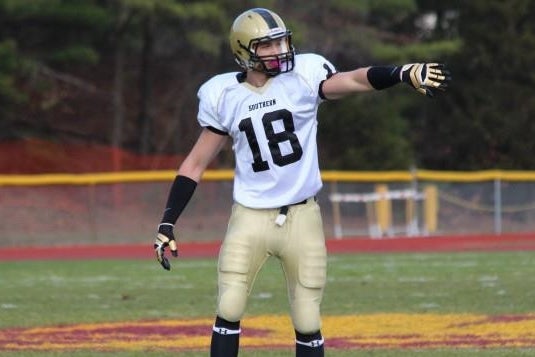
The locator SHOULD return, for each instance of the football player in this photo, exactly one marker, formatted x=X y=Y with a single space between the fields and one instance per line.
x=268 y=110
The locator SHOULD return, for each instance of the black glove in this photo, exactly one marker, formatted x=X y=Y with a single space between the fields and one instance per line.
x=165 y=238
x=425 y=77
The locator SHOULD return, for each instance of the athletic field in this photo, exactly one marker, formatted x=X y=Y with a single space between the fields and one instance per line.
x=440 y=296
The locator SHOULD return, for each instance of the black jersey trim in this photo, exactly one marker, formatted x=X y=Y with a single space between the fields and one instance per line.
x=241 y=77
x=216 y=131
x=320 y=91
x=330 y=73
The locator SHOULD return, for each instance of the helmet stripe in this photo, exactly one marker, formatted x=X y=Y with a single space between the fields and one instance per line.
x=268 y=18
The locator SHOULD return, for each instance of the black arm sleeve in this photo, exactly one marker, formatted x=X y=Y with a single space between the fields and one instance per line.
x=179 y=196
x=382 y=77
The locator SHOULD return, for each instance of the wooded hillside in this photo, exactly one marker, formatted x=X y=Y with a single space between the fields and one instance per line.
x=124 y=73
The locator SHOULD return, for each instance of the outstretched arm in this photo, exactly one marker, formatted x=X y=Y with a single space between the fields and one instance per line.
x=344 y=83
x=423 y=77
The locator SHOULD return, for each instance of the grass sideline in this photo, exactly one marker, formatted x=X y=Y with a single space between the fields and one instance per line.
x=50 y=293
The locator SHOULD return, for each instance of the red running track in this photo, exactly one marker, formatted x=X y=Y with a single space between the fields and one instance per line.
x=510 y=242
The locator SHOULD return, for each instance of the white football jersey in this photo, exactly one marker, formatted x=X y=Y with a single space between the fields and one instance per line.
x=273 y=129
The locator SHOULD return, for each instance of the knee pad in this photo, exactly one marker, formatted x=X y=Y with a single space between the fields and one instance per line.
x=232 y=301
x=306 y=317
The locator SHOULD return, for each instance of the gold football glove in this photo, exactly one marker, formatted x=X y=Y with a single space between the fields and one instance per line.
x=165 y=238
x=425 y=77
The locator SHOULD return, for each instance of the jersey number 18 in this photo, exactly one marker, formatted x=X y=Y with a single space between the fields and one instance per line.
x=274 y=139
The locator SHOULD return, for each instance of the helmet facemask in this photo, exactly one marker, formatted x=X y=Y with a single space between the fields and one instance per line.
x=273 y=65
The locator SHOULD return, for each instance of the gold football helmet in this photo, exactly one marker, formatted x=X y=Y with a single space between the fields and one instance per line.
x=261 y=25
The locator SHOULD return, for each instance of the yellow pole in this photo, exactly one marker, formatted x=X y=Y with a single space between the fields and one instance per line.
x=431 y=208
x=383 y=208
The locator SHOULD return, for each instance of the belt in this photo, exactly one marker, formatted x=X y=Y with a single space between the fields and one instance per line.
x=283 y=211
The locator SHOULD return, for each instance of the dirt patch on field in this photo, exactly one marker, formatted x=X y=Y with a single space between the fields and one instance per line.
x=372 y=331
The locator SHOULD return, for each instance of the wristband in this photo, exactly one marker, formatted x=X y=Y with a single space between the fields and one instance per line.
x=382 y=77
x=179 y=196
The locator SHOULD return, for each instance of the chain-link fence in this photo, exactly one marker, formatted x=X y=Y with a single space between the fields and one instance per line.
x=126 y=207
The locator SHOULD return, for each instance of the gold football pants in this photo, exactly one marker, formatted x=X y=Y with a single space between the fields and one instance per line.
x=299 y=244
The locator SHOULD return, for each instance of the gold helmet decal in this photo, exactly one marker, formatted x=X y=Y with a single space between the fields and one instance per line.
x=255 y=26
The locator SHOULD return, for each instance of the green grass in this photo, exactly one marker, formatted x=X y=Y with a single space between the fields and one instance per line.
x=37 y=293
x=489 y=283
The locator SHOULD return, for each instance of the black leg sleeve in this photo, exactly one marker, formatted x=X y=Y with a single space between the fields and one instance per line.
x=225 y=338
x=309 y=345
